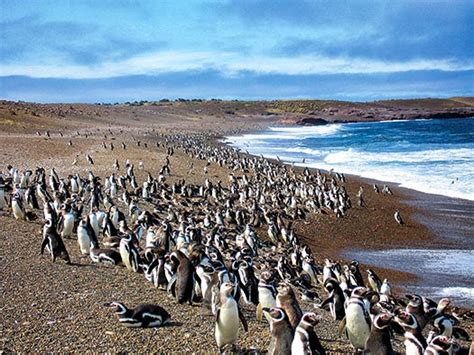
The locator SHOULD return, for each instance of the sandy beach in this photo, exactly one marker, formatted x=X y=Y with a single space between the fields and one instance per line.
x=48 y=307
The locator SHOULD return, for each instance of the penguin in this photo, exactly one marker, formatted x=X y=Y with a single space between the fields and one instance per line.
x=17 y=207
x=266 y=293
x=144 y=315
x=378 y=342
x=335 y=299
x=439 y=345
x=228 y=317
x=281 y=330
x=129 y=253
x=306 y=341
x=85 y=235
x=104 y=256
x=358 y=320
x=55 y=244
x=415 y=307
x=415 y=343
x=398 y=217
x=66 y=222
x=286 y=300
x=248 y=282
x=375 y=282
x=184 y=277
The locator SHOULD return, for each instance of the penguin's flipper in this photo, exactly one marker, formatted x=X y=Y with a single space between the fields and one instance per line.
x=326 y=302
x=259 y=312
x=243 y=320
x=43 y=245
x=342 y=326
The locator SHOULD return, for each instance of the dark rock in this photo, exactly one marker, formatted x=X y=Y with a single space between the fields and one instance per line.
x=311 y=121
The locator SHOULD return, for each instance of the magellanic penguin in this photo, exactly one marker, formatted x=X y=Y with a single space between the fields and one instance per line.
x=415 y=343
x=104 y=256
x=335 y=299
x=266 y=293
x=439 y=345
x=286 y=300
x=228 y=317
x=85 y=235
x=129 y=253
x=17 y=207
x=55 y=244
x=184 y=277
x=282 y=332
x=358 y=320
x=379 y=342
x=305 y=341
x=144 y=315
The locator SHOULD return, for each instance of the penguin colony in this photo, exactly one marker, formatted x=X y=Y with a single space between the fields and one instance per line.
x=204 y=244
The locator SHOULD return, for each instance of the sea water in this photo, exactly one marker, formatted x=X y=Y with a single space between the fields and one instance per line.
x=433 y=156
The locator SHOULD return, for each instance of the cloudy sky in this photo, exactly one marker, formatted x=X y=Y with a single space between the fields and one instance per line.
x=94 y=51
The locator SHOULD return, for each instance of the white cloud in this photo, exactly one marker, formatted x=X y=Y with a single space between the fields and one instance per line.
x=227 y=63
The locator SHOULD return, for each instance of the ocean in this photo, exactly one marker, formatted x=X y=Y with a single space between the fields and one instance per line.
x=433 y=156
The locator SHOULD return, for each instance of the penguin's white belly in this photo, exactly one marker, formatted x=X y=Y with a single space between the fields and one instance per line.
x=17 y=212
x=412 y=349
x=266 y=300
x=125 y=256
x=68 y=226
x=227 y=326
x=84 y=241
x=356 y=325
x=298 y=346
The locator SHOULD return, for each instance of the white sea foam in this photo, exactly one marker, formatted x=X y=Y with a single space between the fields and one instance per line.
x=354 y=156
x=303 y=150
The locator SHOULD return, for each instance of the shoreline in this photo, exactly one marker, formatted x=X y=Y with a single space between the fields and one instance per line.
x=438 y=234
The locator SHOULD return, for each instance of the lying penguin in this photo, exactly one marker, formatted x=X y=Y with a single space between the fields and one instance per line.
x=144 y=315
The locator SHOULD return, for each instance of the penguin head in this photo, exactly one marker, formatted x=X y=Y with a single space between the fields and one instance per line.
x=383 y=320
x=415 y=300
x=118 y=307
x=227 y=289
x=310 y=318
x=441 y=342
x=406 y=320
x=285 y=289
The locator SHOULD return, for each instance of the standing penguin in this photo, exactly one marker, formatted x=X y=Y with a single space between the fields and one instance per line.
x=55 y=244
x=358 y=320
x=184 y=277
x=228 y=317
x=17 y=207
x=378 y=342
x=282 y=332
x=398 y=217
x=306 y=342
x=129 y=253
x=85 y=235
x=335 y=299
x=286 y=300
x=266 y=293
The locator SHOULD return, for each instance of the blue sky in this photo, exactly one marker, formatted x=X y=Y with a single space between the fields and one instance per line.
x=92 y=51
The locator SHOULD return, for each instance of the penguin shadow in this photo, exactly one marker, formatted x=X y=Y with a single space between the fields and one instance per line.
x=171 y=324
x=78 y=264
